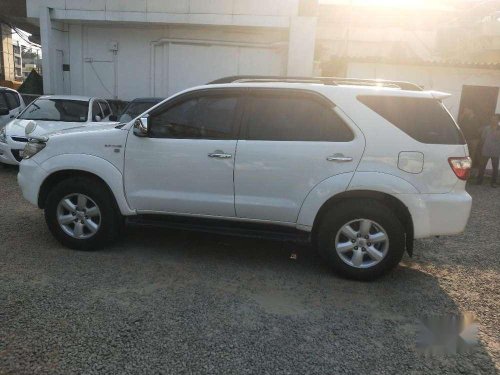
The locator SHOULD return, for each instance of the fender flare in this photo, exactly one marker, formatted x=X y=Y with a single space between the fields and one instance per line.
x=97 y=166
x=338 y=184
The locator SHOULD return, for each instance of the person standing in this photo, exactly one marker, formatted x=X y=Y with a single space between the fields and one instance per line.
x=490 y=150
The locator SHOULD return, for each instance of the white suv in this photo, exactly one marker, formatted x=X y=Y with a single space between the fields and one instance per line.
x=359 y=168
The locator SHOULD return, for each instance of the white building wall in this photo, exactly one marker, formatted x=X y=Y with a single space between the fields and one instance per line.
x=130 y=48
x=447 y=79
x=159 y=61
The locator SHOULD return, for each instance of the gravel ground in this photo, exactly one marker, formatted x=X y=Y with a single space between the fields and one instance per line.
x=173 y=302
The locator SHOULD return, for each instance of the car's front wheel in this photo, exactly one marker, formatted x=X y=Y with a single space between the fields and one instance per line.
x=361 y=239
x=80 y=213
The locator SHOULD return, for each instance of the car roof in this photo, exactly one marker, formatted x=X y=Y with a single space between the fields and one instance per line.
x=321 y=88
x=69 y=97
x=147 y=100
x=2 y=88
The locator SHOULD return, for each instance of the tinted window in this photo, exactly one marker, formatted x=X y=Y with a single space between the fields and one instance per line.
x=423 y=119
x=12 y=100
x=205 y=117
x=3 y=102
x=134 y=109
x=294 y=118
x=105 y=108
x=96 y=110
x=56 y=110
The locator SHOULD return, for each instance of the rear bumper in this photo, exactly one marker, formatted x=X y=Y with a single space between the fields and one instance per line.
x=438 y=214
x=30 y=179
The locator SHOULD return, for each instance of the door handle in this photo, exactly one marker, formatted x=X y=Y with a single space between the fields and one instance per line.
x=220 y=155
x=339 y=158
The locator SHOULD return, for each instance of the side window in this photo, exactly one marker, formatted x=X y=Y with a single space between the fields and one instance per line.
x=96 y=110
x=105 y=108
x=12 y=100
x=292 y=117
x=423 y=119
x=203 y=117
x=3 y=101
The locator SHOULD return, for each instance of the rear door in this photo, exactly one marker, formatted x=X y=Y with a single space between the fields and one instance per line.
x=290 y=142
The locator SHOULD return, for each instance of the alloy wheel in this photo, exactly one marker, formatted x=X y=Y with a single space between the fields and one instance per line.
x=78 y=216
x=362 y=243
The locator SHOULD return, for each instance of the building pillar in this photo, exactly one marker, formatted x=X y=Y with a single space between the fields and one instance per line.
x=47 y=40
x=7 y=57
x=302 y=41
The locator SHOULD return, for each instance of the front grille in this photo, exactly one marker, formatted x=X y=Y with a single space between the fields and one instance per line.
x=16 y=154
x=20 y=139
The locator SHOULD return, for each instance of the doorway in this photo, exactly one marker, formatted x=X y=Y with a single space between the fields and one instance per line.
x=481 y=99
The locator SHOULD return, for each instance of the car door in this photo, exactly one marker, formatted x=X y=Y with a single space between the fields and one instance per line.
x=291 y=141
x=185 y=165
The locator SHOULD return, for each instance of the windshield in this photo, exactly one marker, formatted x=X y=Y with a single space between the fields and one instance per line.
x=135 y=109
x=56 y=110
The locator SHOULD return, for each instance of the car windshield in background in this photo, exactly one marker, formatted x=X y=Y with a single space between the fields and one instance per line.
x=135 y=109
x=57 y=110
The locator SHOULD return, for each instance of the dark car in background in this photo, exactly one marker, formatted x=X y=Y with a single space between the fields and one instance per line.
x=135 y=108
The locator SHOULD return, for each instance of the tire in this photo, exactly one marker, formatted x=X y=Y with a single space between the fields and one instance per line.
x=106 y=220
x=371 y=214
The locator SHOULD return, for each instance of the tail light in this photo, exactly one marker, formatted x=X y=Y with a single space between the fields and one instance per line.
x=461 y=166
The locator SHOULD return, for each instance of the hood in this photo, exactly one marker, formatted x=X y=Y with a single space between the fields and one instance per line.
x=16 y=127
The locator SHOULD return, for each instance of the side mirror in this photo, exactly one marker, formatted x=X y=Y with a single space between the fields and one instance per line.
x=141 y=126
x=97 y=118
x=113 y=118
x=4 y=111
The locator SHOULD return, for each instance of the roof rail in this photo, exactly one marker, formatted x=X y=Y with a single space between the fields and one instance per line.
x=322 y=80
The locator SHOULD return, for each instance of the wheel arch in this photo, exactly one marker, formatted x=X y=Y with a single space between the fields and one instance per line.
x=398 y=207
x=61 y=175
x=68 y=165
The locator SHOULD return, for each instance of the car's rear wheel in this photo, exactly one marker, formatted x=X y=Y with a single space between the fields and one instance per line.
x=361 y=239
x=80 y=212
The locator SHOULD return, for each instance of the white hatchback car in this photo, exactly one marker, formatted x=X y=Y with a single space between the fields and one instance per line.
x=49 y=113
x=359 y=168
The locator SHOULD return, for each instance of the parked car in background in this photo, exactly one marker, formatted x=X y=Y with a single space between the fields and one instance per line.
x=117 y=105
x=336 y=162
x=11 y=104
x=50 y=113
x=135 y=108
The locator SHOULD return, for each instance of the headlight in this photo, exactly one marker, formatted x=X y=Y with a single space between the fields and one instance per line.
x=32 y=148
x=3 y=136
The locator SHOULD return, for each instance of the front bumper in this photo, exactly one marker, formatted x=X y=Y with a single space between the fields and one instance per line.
x=30 y=178
x=6 y=155
x=439 y=214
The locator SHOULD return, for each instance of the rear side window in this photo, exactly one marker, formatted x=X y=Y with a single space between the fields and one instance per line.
x=424 y=119
x=12 y=100
x=3 y=101
x=300 y=117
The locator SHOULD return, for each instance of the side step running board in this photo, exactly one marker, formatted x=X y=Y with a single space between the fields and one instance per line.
x=224 y=227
